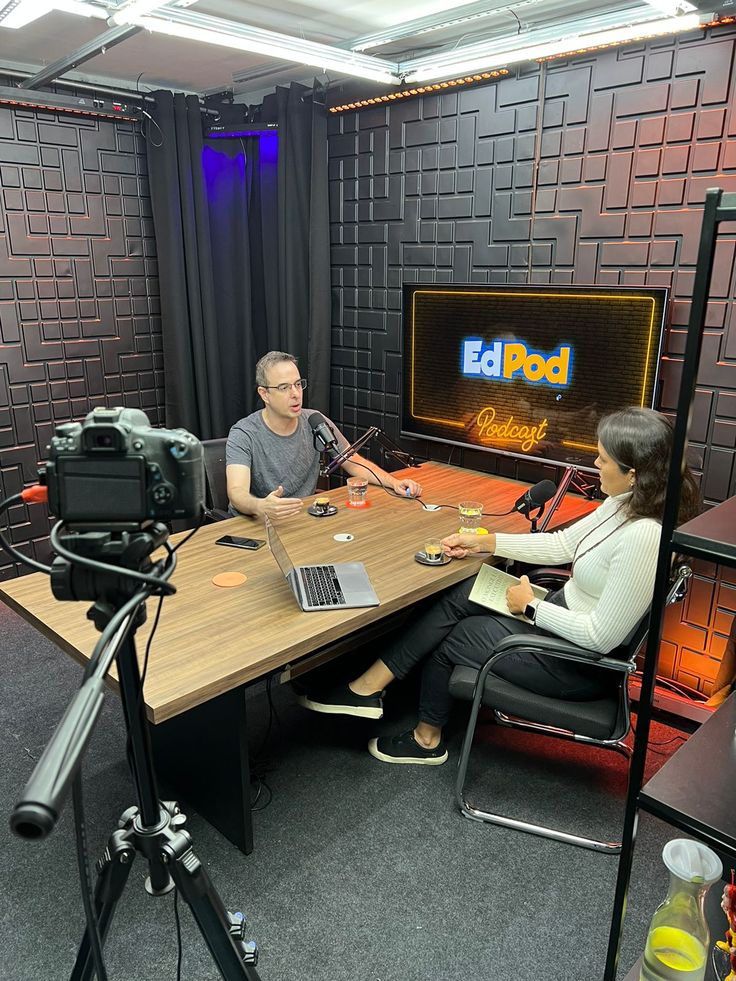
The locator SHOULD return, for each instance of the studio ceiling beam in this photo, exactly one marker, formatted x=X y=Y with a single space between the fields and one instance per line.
x=89 y=50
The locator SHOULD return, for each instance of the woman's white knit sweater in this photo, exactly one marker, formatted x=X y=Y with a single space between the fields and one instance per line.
x=612 y=584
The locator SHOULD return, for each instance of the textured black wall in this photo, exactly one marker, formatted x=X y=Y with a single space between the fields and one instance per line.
x=584 y=171
x=588 y=171
x=79 y=305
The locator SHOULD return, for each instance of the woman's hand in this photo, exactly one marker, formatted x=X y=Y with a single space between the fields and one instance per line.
x=458 y=546
x=518 y=597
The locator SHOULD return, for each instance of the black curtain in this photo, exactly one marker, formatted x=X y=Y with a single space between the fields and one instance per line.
x=242 y=238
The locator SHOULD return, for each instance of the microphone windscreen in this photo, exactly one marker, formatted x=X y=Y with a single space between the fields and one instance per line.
x=542 y=492
x=315 y=419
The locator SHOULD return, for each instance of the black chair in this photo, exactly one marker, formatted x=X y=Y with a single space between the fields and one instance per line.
x=216 y=505
x=603 y=722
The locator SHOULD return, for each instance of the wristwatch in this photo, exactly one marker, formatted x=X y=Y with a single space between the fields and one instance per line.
x=530 y=612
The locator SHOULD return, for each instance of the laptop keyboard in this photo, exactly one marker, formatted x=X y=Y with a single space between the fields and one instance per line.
x=321 y=586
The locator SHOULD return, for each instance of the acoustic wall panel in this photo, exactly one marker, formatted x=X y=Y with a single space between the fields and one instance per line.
x=585 y=171
x=79 y=304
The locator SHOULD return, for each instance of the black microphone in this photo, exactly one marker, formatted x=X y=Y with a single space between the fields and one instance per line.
x=324 y=435
x=536 y=497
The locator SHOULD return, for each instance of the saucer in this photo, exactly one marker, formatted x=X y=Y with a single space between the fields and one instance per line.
x=422 y=559
x=322 y=514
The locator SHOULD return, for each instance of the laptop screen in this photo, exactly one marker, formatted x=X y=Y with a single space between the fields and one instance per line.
x=278 y=551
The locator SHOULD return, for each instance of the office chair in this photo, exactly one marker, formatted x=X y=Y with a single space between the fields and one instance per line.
x=216 y=484
x=603 y=722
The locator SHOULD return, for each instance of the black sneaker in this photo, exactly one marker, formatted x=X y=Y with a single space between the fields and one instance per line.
x=343 y=701
x=405 y=749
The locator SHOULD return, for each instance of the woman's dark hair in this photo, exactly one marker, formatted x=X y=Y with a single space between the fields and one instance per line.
x=641 y=440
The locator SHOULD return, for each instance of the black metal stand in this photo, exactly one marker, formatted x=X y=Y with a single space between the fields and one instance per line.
x=719 y=207
x=571 y=478
x=393 y=449
x=156 y=831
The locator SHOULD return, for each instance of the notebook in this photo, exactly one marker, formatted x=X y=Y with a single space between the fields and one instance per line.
x=323 y=587
x=489 y=590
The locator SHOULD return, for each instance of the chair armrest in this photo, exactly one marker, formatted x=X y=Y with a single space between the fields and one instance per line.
x=557 y=647
x=552 y=574
x=216 y=514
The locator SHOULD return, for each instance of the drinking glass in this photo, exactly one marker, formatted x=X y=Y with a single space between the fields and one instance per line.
x=471 y=513
x=357 y=491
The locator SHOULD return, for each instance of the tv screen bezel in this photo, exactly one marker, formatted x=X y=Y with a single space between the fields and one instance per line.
x=409 y=288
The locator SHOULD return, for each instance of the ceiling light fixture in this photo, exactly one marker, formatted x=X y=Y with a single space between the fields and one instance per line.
x=462 y=14
x=191 y=26
x=508 y=51
x=672 y=8
x=127 y=12
x=18 y=13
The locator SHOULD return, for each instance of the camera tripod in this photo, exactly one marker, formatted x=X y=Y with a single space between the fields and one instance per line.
x=151 y=828
x=155 y=830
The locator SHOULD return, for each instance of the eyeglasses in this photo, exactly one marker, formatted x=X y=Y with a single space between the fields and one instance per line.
x=287 y=386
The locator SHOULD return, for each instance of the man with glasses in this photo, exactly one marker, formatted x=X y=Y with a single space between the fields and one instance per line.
x=271 y=459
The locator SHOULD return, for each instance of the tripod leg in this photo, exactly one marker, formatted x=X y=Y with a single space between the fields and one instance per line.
x=112 y=874
x=222 y=931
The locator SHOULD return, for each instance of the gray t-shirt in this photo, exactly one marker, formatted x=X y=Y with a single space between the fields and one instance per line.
x=291 y=461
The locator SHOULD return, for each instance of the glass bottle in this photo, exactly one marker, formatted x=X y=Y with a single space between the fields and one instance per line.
x=678 y=939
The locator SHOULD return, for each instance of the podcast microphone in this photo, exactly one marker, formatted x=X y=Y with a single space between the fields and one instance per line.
x=536 y=497
x=324 y=435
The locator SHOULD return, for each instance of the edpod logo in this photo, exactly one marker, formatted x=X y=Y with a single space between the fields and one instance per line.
x=508 y=360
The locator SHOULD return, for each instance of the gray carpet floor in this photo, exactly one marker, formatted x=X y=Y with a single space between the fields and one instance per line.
x=361 y=871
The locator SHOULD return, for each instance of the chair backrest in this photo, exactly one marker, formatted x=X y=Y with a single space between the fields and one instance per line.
x=214 y=468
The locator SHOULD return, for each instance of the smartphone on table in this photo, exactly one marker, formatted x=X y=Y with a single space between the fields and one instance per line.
x=250 y=543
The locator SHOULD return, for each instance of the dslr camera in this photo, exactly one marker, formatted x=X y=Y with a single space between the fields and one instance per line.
x=114 y=467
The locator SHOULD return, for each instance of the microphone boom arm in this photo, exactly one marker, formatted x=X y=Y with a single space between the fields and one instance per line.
x=391 y=448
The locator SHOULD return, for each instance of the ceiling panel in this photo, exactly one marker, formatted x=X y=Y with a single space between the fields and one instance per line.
x=155 y=60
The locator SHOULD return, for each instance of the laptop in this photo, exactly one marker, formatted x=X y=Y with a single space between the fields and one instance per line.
x=323 y=587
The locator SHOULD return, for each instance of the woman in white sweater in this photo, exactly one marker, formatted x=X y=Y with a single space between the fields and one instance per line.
x=613 y=552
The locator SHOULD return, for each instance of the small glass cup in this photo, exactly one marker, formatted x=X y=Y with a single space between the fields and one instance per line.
x=322 y=504
x=433 y=550
x=357 y=491
x=471 y=513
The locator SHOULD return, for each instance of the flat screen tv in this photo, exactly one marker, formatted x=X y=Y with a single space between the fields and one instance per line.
x=527 y=370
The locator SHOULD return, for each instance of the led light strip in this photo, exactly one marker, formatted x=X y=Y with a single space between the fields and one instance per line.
x=427 y=89
x=560 y=48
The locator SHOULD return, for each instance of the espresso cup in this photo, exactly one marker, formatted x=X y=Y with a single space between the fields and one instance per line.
x=471 y=513
x=322 y=504
x=357 y=491
x=433 y=550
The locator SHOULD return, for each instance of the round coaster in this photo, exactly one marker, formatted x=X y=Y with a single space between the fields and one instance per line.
x=227 y=579
x=343 y=538
x=422 y=559
x=322 y=514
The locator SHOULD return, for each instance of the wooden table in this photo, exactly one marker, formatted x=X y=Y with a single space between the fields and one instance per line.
x=212 y=642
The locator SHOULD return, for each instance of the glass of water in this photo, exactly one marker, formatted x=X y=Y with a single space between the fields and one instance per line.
x=471 y=513
x=357 y=491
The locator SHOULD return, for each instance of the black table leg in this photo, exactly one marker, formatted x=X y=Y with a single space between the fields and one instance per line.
x=202 y=756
